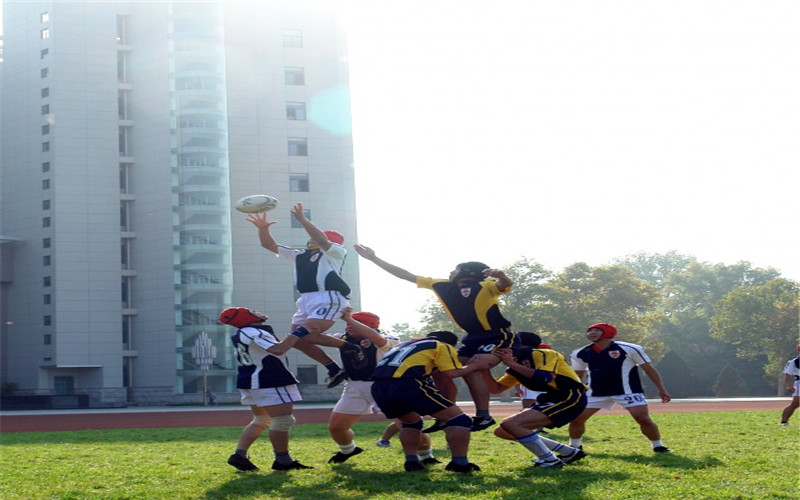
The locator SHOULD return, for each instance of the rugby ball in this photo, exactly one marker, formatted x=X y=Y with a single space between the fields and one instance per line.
x=256 y=203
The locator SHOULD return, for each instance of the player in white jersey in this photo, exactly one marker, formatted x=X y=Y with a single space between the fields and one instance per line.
x=356 y=398
x=265 y=384
x=323 y=292
x=791 y=376
x=614 y=378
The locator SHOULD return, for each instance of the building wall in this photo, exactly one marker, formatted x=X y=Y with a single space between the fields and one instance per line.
x=68 y=221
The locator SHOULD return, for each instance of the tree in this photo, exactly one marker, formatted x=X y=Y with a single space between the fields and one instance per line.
x=760 y=321
x=729 y=383
x=677 y=377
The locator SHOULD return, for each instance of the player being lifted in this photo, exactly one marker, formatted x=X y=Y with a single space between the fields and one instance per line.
x=471 y=300
x=323 y=292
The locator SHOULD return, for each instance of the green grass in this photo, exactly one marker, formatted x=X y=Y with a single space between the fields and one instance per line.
x=719 y=455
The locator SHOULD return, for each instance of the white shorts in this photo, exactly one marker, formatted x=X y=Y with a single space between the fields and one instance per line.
x=356 y=399
x=271 y=397
x=607 y=402
x=526 y=393
x=796 y=392
x=319 y=305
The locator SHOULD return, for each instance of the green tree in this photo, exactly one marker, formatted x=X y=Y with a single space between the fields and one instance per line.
x=677 y=377
x=760 y=321
x=729 y=384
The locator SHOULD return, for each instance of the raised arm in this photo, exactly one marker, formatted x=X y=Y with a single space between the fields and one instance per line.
x=503 y=281
x=313 y=231
x=260 y=221
x=369 y=254
x=359 y=329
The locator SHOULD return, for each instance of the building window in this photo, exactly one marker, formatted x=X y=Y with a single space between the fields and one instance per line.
x=298 y=183
x=45 y=109
x=45 y=129
x=307 y=374
x=44 y=72
x=45 y=221
x=45 y=34
x=296 y=111
x=295 y=76
x=45 y=204
x=46 y=92
x=293 y=39
x=45 y=263
x=45 y=184
x=44 y=17
x=46 y=299
x=46 y=243
x=296 y=224
x=46 y=166
x=43 y=53
x=48 y=339
x=45 y=147
x=298 y=146
x=46 y=281
x=48 y=320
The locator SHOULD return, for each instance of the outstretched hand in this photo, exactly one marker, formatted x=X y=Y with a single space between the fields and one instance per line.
x=259 y=220
x=364 y=251
x=297 y=212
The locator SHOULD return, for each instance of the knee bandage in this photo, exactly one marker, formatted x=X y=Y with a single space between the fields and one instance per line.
x=415 y=425
x=260 y=420
x=460 y=421
x=282 y=423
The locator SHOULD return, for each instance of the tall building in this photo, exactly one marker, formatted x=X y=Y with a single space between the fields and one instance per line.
x=128 y=130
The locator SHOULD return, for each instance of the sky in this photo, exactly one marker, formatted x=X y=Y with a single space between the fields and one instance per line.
x=571 y=131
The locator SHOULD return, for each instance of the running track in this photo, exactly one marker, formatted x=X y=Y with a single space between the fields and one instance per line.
x=167 y=417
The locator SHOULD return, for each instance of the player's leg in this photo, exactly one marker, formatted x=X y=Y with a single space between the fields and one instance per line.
x=577 y=428
x=282 y=422
x=641 y=414
x=521 y=426
x=479 y=391
x=391 y=430
x=448 y=388
x=457 y=432
x=340 y=427
x=789 y=409
x=248 y=436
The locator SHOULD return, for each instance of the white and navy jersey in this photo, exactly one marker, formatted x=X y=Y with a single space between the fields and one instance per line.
x=373 y=352
x=317 y=270
x=259 y=369
x=612 y=371
x=793 y=368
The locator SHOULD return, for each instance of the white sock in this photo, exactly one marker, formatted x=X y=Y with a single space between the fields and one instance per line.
x=575 y=442
x=557 y=447
x=347 y=449
x=534 y=444
x=656 y=443
x=423 y=454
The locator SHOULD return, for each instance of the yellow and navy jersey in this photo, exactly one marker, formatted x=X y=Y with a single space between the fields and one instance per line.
x=564 y=377
x=417 y=359
x=471 y=305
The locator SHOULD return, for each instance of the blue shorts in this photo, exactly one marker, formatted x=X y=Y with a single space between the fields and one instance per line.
x=400 y=396
x=488 y=342
x=561 y=407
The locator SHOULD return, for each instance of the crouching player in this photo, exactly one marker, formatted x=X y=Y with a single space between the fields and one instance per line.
x=265 y=383
x=562 y=399
x=403 y=389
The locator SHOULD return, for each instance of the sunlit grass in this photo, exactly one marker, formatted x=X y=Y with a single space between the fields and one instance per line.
x=718 y=455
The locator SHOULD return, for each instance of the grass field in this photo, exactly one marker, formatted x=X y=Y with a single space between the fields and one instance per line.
x=719 y=455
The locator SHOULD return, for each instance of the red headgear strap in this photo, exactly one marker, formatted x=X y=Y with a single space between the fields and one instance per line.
x=609 y=332
x=240 y=316
x=369 y=319
x=334 y=236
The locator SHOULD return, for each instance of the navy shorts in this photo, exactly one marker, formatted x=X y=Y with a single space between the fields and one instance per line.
x=488 y=342
x=561 y=407
x=400 y=396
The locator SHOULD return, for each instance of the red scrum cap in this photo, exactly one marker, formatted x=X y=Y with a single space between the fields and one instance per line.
x=369 y=319
x=334 y=236
x=609 y=332
x=241 y=316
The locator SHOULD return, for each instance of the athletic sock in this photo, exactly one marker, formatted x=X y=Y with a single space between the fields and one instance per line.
x=283 y=458
x=459 y=460
x=332 y=368
x=242 y=453
x=656 y=443
x=347 y=448
x=557 y=447
x=423 y=454
x=483 y=413
x=576 y=442
x=412 y=458
x=533 y=443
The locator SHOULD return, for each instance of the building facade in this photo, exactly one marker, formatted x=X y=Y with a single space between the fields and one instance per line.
x=128 y=131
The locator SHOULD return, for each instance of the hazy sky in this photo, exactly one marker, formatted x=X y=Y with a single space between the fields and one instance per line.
x=572 y=131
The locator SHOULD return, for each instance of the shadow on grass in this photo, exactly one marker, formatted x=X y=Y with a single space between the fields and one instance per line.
x=346 y=482
x=666 y=460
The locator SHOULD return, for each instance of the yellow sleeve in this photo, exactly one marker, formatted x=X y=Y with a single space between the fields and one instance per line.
x=508 y=380
x=546 y=359
x=423 y=282
x=447 y=357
